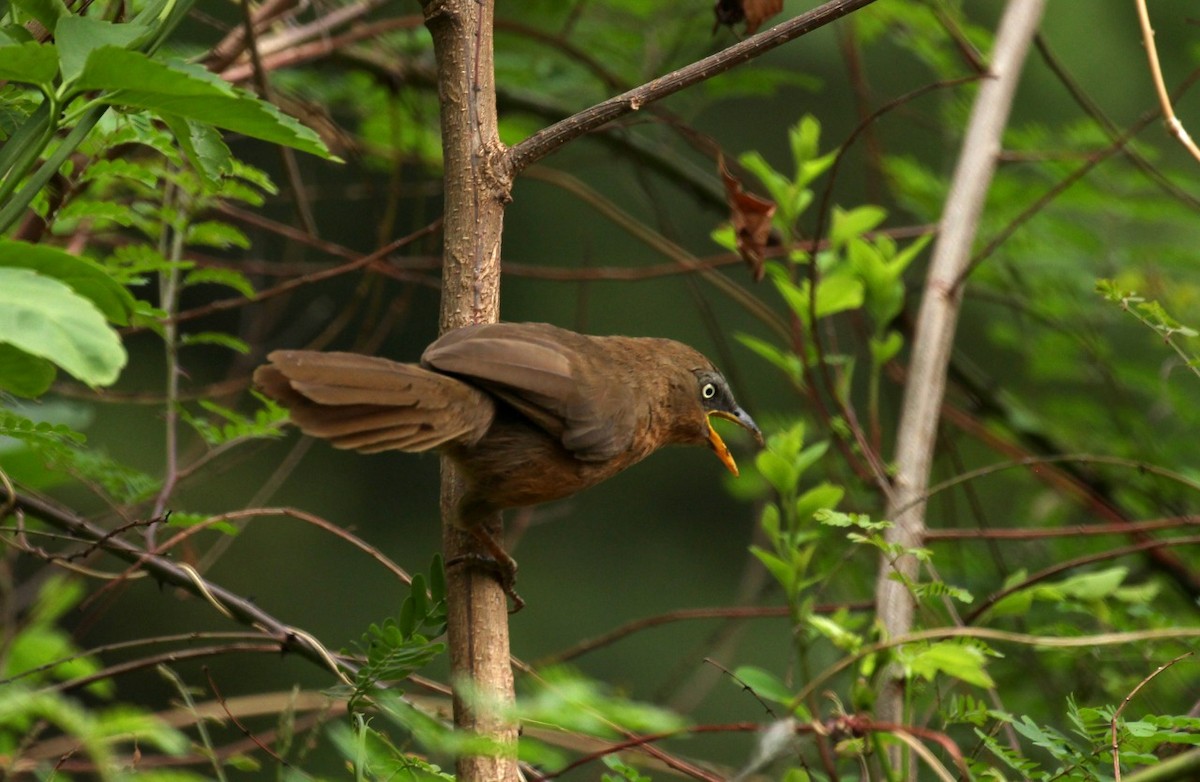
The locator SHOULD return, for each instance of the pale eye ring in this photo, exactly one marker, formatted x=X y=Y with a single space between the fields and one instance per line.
x=708 y=390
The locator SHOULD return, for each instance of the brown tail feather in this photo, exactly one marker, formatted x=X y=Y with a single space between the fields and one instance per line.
x=372 y=404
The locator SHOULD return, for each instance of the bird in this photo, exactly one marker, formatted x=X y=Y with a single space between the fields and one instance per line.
x=529 y=412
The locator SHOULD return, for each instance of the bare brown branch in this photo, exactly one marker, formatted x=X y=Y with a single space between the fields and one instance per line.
x=548 y=140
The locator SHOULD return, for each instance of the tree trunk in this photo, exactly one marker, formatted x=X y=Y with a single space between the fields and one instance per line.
x=941 y=299
x=476 y=190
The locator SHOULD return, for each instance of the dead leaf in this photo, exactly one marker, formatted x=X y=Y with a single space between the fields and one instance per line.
x=751 y=218
x=754 y=12
x=759 y=11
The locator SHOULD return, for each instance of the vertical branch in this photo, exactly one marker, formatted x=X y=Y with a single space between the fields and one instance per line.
x=171 y=248
x=477 y=186
x=926 y=383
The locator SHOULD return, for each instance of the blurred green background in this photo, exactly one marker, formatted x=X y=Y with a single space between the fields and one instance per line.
x=668 y=534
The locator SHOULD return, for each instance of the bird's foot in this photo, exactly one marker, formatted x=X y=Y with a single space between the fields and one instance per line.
x=497 y=562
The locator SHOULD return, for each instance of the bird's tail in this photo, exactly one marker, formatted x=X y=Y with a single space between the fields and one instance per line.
x=371 y=404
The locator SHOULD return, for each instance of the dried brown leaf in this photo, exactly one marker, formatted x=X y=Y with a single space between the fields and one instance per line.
x=751 y=218
x=754 y=12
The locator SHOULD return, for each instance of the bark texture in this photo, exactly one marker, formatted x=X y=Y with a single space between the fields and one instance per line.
x=936 y=322
x=477 y=186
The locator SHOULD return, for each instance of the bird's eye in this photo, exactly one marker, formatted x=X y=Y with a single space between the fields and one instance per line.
x=708 y=391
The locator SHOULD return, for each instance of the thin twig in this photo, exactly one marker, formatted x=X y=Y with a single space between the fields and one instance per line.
x=1174 y=126
x=548 y=140
x=1061 y=567
x=991 y=634
x=291 y=285
x=244 y=611
x=681 y=615
x=1072 y=531
x=212 y=683
x=1115 y=747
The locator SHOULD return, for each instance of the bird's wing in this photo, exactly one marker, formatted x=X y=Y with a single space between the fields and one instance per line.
x=372 y=404
x=550 y=376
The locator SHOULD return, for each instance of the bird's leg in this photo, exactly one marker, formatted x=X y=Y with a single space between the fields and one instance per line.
x=497 y=562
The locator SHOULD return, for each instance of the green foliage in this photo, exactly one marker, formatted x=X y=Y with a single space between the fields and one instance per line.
x=563 y=699
x=40 y=652
x=179 y=91
x=60 y=452
x=858 y=272
x=764 y=684
x=787 y=522
x=963 y=661
x=94 y=64
x=376 y=755
x=621 y=771
x=1091 y=593
x=44 y=319
x=372 y=755
x=229 y=426
x=117 y=148
x=40 y=434
x=55 y=309
x=398 y=647
x=36 y=654
x=1154 y=316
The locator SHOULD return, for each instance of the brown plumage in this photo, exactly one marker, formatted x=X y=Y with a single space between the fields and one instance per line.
x=529 y=411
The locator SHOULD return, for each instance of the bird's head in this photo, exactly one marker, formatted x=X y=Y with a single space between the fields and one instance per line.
x=716 y=400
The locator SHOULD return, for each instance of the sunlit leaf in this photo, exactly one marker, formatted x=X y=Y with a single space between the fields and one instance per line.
x=44 y=317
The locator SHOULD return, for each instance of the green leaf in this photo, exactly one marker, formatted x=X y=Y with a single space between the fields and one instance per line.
x=961 y=661
x=1113 y=292
x=100 y=213
x=765 y=684
x=884 y=350
x=119 y=169
x=85 y=277
x=22 y=374
x=29 y=63
x=42 y=434
x=407 y=623
x=781 y=570
x=778 y=471
x=1015 y=604
x=779 y=186
x=724 y=236
x=45 y=11
x=203 y=145
x=1143 y=594
x=78 y=36
x=213 y=233
x=1093 y=586
x=823 y=497
x=624 y=771
x=216 y=338
x=838 y=292
x=420 y=596
x=769 y=522
x=121 y=482
x=133 y=79
x=834 y=518
x=854 y=223
x=804 y=139
x=784 y=360
x=836 y=634
x=230 y=278
x=44 y=317
x=810 y=456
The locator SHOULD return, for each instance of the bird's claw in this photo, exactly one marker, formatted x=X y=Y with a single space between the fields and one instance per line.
x=503 y=570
